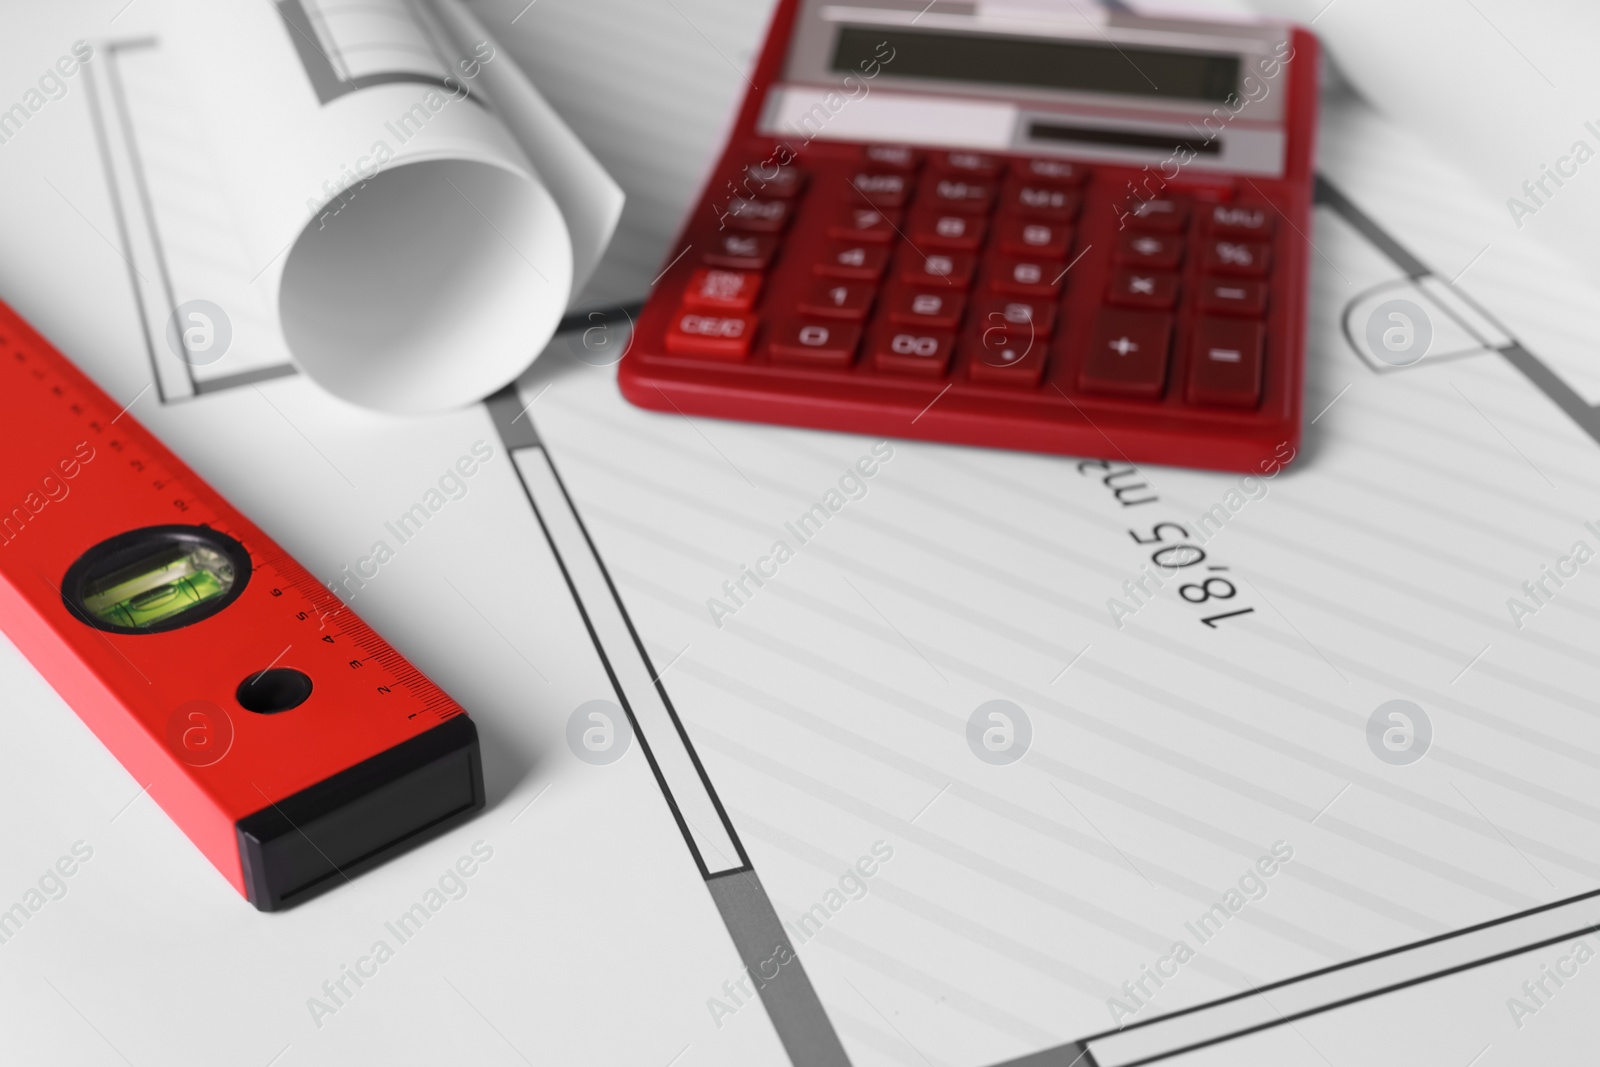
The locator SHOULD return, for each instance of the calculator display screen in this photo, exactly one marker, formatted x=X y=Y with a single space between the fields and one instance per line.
x=1039 y=63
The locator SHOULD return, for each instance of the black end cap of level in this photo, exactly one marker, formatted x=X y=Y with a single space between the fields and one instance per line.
x=316 y=839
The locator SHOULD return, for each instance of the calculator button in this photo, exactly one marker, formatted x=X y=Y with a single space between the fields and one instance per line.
x=1225 y=362
x=937 y=268
x=722 y=290
x=1006 y=358
x=741 y=251
x=855 y=260
x=1052 y=170
x=863 y=223
x=755 y=216
x=882 y=189
x=1127 y=354
x=1154 y=251
x=1028 y=237
x=1248 y=258
x=912 y=351
x=946 y=229
x=820 y=343
x=971 y=164
x=1239 y=220
x=1049 y=203
x=949 y=192
x=1015 y=315
x=929 y=309
x=1026 y=277
x=1143 y=289
x=1167 y=214
x=766 y=178
x=1232 y=296
x=696 y=333
x=833 y=299
x=893 y=156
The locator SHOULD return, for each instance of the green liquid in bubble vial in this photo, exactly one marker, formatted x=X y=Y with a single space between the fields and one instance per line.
x=166 y=584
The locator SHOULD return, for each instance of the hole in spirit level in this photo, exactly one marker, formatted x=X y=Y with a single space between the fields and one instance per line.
x=274 y=690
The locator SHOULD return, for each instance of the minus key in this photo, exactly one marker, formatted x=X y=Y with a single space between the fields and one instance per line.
x=1232 y=296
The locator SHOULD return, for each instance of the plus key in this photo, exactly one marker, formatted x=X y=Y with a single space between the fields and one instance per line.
x=1127 y=354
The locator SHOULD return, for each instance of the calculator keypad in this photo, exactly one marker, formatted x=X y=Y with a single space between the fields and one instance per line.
x=906 y=264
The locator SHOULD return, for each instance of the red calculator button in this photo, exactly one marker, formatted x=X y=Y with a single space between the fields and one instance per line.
x=755 y=216
x=912 y=351
x=1225 y=362
x=696 y=333
x=1026 y=277
x=863 y=223
x=930 y=309
x=1143 y=289
x=945 y=229
x=855 y=260
x=893 y=156
x=951 y=192
x=952 y=269
x=1152 y=251
x=1006 y=358
x=830 y=344
x=741 y=251
x=1017 y=317
x=1232 y=296
x=1028 y=237
x=882 y=189
x=1035 y=200
x=971 y=164
x=722 y=290
x=1052 y=170
x=1127 y=354
x=1239 y=220
x=1248 y=258
x=1167 y=214
x=767 y=178
x=832 y=299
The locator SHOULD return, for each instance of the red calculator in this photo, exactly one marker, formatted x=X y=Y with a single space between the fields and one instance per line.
x=1028 y=225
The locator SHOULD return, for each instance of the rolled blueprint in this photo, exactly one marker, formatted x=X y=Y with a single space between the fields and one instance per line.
x=422 y=218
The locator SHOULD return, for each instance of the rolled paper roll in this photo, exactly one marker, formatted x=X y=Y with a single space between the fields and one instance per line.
x=413 y=199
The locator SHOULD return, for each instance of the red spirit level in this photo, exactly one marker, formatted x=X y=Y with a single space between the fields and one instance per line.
x=286 y=738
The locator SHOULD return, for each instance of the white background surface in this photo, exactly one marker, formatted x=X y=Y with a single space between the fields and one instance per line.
x=588 y=937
